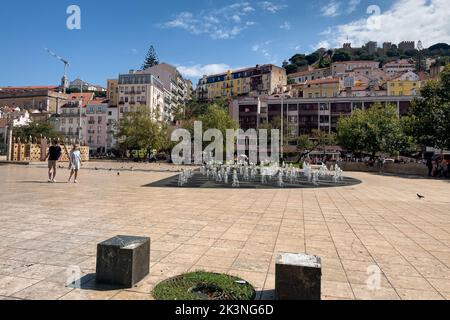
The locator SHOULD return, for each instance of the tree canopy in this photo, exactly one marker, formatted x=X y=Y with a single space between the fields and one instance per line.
x=141 y=130
x=317 y=140
x=377 y=129
x=151 y=59
x=341 y=55
x=212 y=115
x=430 y=114
x=35 y=129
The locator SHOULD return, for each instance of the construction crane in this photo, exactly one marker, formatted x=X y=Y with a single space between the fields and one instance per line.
x=64 y=81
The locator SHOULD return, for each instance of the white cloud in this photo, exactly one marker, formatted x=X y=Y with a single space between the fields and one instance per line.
x=322 y=44
x=134 y=51
x=286 y=25
x=221 y=23
x=331 y=9
x=353 y=5
x=426 y=20
x=198 y=70
x=271 y=6
x=265 y=50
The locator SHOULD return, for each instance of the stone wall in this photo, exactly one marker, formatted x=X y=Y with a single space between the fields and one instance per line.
x=35 y=151
x=393 y=168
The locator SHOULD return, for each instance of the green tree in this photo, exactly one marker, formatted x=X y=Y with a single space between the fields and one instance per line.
x=297 y=59
x=36 y=129
x=341 y=55
x=312 y=58
x=392 y=52
x=291 y=68
x=430 y=114
x=151 y=59
x=141 y=130
x=374 y=130
x=195 y=108
x=212 y=116
x=319 y=139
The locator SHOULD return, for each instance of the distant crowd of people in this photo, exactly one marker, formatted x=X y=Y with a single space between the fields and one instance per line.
x=438 y=168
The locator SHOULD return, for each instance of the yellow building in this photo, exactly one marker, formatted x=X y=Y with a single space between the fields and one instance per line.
x=112 y=93
x=258 y=80
x=403 y=88
x=322 y=88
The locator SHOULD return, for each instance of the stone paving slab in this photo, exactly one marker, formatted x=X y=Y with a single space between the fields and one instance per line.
x=377 y=225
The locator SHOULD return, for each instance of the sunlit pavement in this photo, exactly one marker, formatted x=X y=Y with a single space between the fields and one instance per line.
x=49 y=230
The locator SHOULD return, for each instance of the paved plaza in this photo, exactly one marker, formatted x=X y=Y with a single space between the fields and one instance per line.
x=49 y=230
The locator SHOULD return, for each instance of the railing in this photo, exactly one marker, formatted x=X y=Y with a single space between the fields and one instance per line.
x=71 y=115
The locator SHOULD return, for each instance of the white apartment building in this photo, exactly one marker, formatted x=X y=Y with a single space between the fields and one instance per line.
x=399 y=66
x=340 y=69
x=160 y=88
x=96 y=125
x=309 y=75
x=112 y=117
x=139 y=88
x=178 y=90
x=72 y=117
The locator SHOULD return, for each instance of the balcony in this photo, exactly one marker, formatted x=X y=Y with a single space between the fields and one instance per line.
x=70 y=115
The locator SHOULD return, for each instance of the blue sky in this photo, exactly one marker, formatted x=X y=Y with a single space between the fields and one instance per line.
x=198 y=36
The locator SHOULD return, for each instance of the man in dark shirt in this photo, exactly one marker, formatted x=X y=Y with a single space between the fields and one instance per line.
x=53 y=156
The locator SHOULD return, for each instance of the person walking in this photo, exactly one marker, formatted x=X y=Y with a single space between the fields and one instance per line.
x=75 y=163
x=53 y=156
x=430 y=166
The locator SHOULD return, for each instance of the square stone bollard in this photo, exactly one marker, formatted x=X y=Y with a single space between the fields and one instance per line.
x=123 y=260
x=298 y=277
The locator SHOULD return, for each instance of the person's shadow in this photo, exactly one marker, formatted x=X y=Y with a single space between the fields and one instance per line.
x=41 y=182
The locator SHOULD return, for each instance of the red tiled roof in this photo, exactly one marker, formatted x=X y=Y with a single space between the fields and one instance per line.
x=399 y=62
x=301 y=73
x=355 y=62
x=423 y=76
x=30 y=88
x=97 y=101
x=323 y=81
x=86 y=97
